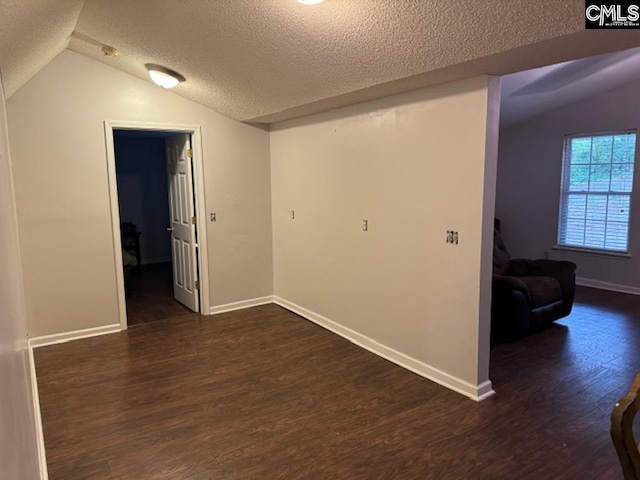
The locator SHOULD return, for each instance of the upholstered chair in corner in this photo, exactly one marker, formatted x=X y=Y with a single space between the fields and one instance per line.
x=528 y=295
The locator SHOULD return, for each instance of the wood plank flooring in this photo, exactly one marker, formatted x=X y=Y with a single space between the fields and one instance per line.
x=150 y=295
x=264 y=394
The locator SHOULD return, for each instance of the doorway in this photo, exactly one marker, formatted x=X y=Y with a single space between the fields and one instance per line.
x=566 y=184
x=155 y=175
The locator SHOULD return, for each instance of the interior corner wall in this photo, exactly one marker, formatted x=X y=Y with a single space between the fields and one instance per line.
x=18 y=444
x=413 y=166
x=528 y=185
x=56 y=127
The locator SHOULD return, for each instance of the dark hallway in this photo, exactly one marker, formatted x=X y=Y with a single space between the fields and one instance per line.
x=150 y=295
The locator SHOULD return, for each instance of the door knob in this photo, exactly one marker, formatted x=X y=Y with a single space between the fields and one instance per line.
x=169 y=229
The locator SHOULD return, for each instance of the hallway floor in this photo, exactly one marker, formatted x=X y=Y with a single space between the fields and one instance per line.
x=150 y=295
x=263 y=394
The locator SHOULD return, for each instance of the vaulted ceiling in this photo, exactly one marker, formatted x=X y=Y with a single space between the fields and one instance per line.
x=269 y=60
x=32 y=32
x=534 y=92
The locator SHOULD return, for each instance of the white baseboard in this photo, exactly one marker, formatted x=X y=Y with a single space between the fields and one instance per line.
x=614 y=287
x=42 y=456
x=475 y=392
x=74 y=335
x=229 y=307
x=484 y=390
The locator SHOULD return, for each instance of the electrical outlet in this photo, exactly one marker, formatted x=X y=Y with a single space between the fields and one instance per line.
x=452 y=237
x=365 y=225
x=292 y=214
x=545 y=255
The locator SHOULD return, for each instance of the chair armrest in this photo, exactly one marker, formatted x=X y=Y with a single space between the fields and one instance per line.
x=562 y=271
x=505 y=284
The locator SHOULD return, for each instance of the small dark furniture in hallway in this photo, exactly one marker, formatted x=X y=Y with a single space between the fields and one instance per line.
x=131 y=240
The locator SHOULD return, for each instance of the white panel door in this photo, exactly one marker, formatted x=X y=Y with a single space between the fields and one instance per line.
x=183 y=228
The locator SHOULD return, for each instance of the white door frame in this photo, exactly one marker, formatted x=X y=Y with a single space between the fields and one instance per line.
x=198 y=184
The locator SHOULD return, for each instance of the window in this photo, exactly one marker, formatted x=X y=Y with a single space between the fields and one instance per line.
x=595 y=195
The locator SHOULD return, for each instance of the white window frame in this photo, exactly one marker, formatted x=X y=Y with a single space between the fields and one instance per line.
x=564 y=193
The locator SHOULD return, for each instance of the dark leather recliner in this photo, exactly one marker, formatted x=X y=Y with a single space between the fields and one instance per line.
x=528 y=295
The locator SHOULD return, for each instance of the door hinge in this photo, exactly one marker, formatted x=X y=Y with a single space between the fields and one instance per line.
x=197 y=285
x=189 y=153
x=194 y=220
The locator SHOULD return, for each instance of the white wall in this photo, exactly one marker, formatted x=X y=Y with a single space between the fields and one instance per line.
x=58 y=141
x=415 y=166
x=529 y=171
x=143 y=193
x=18 y=452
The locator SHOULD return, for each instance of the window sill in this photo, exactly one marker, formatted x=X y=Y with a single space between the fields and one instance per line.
x=591 y=251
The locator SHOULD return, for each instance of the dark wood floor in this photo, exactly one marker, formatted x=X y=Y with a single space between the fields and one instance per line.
x=150 y=295
x=263 y=394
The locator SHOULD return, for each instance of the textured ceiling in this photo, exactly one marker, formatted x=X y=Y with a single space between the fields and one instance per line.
x=32 y=32
x=268 y=60
x=534 y=92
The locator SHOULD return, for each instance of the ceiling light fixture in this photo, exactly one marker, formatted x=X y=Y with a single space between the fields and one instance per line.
x=163 y=76
x=310 y=2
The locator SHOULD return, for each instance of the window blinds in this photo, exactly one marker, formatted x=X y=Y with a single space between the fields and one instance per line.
x=595 y=196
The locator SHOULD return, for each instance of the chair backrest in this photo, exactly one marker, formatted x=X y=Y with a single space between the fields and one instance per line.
x=501 y=255
x=622 y=418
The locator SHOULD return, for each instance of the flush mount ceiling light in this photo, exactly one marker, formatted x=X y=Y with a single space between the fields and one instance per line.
x=310 y=2
x=163 y=76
